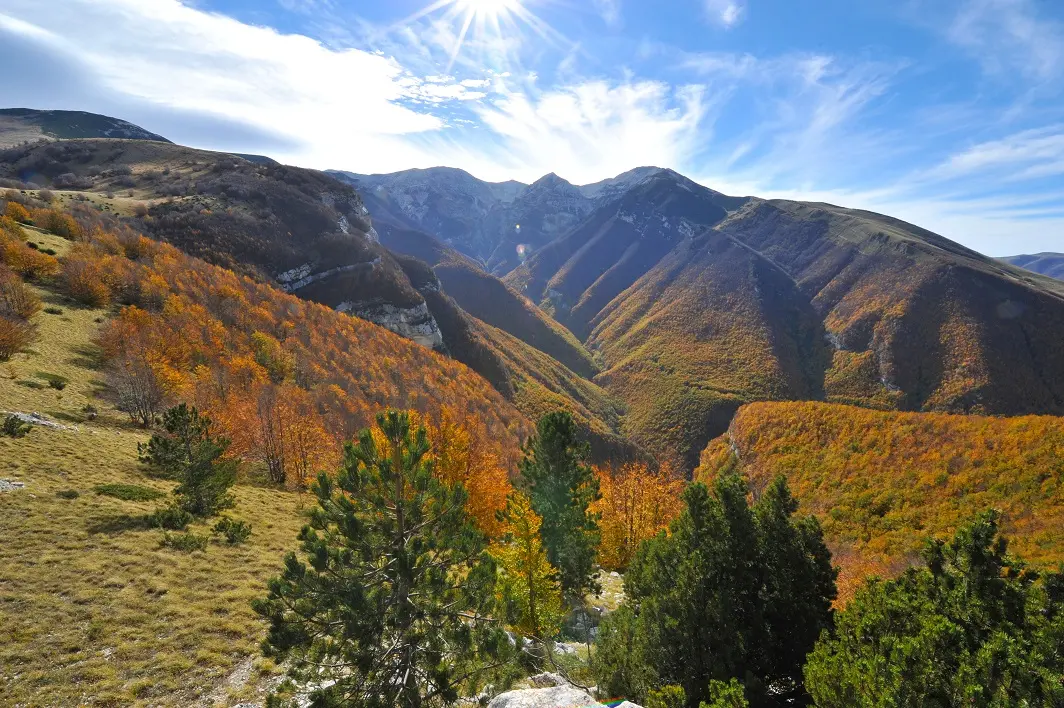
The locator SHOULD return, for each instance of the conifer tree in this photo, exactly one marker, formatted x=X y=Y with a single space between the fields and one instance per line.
x=561 y=488
x=731 y=592
x=528 y=592
x=191 y=454
x=389 y=604
x=972 y=627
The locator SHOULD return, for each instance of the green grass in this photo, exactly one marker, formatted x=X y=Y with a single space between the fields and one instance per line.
x=93 y=610
x=128 y=492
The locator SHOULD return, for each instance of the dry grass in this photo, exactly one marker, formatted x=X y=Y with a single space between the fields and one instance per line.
x=92 y=610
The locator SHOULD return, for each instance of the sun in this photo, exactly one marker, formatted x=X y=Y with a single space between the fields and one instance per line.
x=488 y=9
x=486 y=20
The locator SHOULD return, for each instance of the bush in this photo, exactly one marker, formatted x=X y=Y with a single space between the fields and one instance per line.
x=46 y=195
x=170 y=517
x=187 y=542
x=13 y=427
x=52 y=310
x=84 y=281
x=14 y=336
x=27 y=262
x=17 y=300
x=54 y=380
x=128 y=492
x=68 y=494
x=17 y=212
x=236 y=532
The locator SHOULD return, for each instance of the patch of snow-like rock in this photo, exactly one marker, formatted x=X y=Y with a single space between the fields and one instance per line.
x=554 y=697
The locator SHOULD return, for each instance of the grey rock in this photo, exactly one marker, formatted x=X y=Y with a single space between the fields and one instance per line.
x=556 y=697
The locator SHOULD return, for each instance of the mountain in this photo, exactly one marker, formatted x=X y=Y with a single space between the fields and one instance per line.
x=299 y=229
x=19 y=125
x=1051 y=264
x=497 y=224
x=698 y=302
x=882 y=481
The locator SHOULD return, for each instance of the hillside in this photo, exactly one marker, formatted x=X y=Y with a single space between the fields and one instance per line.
x=880 y=481
x=911 y=320
x=20 y=125
x=1051 y=264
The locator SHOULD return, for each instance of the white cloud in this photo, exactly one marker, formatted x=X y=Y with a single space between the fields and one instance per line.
x=591 y=130
x=726 y=13
x=1026 y=155
x=610 y=10
x=1009 y=37
x=164 y=53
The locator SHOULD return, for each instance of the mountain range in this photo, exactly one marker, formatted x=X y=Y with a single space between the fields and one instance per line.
x=1051 y=264
x=649 y=305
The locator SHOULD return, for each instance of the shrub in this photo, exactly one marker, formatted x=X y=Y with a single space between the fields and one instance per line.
x=17 y=300
x=54 y=380
x=84 y=280
x=27 y=262
x=128 y=492
x=52 y=310
x=14 y=336
x=46 y=195
x=17 y=212
x=236 y=532
x=187 y=542
x=13 y=427
x=68 y=494
x=170 y=517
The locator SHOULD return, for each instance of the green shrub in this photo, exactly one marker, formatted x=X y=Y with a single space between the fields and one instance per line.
x=14 y=427
x=236 y=532
x=128 y=492
x=53 y=310
x=187 y=542
x=54 y=380
x=68 y=494
x=171 y=517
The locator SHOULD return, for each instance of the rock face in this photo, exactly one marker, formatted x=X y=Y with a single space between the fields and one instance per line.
x=555 y=697
x=415 y=323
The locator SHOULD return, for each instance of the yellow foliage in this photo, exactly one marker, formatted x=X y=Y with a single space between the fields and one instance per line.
x=881 y=482
x=528 y=592
x=636 y=504
x=16 y=212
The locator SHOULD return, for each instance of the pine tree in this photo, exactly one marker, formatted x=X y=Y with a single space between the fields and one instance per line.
x=389 y=605
x=731 y=592
x=561 y=488
x=189 y=453
x=972 y=627
x=529 y=593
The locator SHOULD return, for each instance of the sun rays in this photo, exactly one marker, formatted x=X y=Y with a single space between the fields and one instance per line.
x=487 y=22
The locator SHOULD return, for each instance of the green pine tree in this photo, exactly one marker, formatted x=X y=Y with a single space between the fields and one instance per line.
x=189 y=453
x=389 y=604
x=972 y=627
x=733 y=592
x=561 y=487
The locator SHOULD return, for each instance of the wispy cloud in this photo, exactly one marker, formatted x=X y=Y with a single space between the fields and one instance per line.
x=610 y=10
x=1010 y=37
x=726 y=13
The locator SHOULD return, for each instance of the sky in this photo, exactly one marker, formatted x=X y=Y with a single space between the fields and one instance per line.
x=946 y=113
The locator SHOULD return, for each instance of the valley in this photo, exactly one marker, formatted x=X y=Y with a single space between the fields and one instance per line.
x=626 y=337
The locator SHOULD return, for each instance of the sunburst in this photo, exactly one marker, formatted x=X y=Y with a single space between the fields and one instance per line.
x=488 y=19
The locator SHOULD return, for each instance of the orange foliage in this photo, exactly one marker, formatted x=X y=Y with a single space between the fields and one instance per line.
x=881 y=482
x=636 y=504
x=270 y=367
x=16 y=212
x=25 y=261
x=58 y=222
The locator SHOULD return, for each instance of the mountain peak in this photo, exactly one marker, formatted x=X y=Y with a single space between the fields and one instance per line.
x=551 y=181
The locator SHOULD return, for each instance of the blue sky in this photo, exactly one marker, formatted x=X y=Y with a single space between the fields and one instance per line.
x=946 y=113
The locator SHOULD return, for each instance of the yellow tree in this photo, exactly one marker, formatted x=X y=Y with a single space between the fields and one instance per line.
x=528 y=590
x=636 y=504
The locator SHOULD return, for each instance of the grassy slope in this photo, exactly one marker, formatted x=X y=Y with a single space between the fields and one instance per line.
x=882 y=481
x=92 y=613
